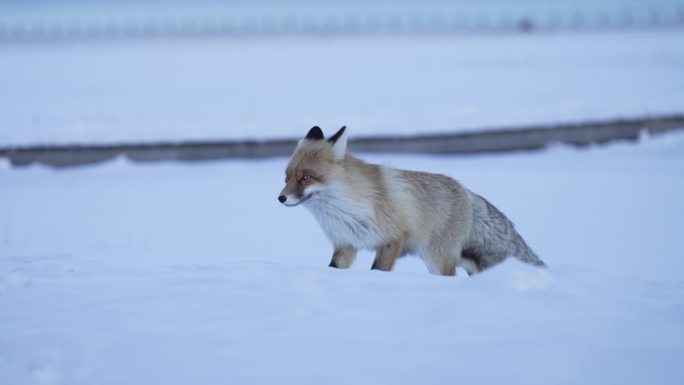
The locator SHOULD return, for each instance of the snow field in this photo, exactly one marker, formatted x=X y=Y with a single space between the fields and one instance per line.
x=173 y=90
x=194 y=273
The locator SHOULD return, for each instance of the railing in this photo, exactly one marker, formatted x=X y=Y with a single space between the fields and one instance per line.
x=348 y=25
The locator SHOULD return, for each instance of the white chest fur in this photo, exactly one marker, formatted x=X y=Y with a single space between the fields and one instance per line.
x=345 y=221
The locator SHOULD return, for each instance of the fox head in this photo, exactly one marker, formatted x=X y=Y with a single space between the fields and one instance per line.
x=314 y=163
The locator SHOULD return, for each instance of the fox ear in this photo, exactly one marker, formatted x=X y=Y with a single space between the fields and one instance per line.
x=315 y=133
x=339 y=143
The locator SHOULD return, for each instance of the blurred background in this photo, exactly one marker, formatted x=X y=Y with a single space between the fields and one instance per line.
x=106 y=72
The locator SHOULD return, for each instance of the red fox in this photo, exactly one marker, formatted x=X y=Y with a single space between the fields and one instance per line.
x=396 y=212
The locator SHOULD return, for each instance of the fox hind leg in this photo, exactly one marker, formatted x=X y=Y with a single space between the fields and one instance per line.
x=440 y=261
x=470 y=266
x=471 y=260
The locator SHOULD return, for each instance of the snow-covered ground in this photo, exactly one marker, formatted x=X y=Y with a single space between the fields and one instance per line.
x=177 y=274
x=266 y=88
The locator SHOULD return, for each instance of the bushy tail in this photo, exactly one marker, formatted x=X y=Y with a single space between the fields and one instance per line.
x=525 y=253
x=495 y=237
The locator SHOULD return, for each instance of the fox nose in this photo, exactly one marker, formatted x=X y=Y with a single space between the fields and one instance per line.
x=282 y=198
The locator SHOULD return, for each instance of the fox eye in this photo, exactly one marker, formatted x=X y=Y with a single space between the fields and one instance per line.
x=306 y=177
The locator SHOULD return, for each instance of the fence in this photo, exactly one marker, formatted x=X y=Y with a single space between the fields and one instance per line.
x=347 y=25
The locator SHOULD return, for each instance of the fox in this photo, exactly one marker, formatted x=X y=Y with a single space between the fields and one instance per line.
x=394 y=212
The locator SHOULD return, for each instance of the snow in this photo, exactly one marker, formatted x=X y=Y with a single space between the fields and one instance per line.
x=176 y=90
x=194 y=273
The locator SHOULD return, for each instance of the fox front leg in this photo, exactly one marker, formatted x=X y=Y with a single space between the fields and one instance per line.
x=386 y=255
x=343 y=257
